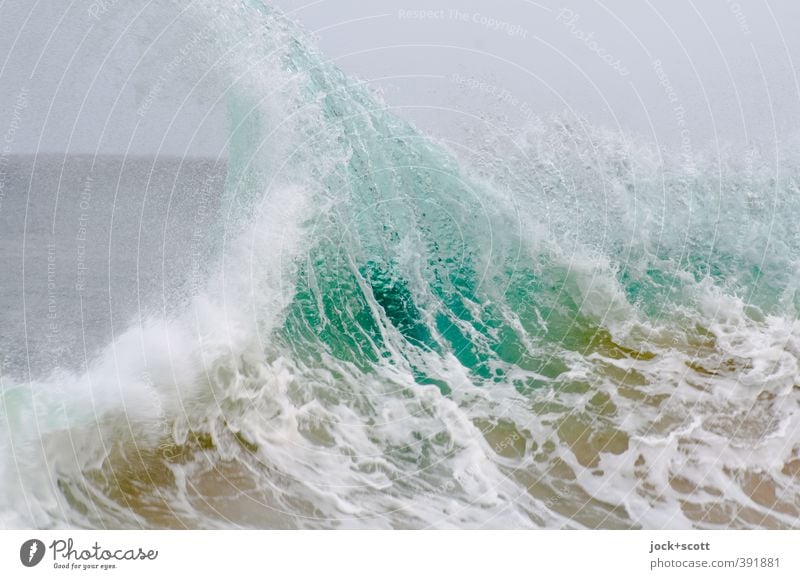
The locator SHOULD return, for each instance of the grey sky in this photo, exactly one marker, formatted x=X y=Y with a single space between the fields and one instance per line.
x=711 y=70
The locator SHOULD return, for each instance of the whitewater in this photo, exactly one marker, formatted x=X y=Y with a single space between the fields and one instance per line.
x=563 y=328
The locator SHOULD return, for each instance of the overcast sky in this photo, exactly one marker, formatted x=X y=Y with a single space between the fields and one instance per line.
x=714 y=71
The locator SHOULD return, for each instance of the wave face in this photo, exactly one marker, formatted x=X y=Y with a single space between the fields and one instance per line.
x=563 y=329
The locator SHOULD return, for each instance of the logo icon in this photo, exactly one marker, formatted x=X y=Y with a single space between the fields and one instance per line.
x=32 y=552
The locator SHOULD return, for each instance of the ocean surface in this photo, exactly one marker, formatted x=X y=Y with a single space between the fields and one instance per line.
x=347 y=324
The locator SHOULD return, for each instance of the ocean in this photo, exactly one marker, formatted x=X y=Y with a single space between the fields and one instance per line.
x=349 y=324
